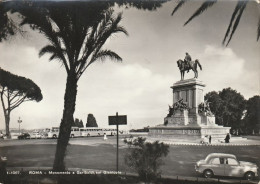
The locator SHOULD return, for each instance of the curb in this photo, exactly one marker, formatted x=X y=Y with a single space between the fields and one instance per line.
x=200 y=144
x=194 y=144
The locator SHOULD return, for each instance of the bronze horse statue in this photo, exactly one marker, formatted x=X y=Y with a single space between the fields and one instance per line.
x=192 y=65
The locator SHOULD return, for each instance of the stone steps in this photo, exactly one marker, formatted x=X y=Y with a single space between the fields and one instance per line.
x=214 y=140
x=238 y=138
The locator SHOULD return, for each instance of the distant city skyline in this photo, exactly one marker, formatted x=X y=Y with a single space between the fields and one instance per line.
x=139 y=87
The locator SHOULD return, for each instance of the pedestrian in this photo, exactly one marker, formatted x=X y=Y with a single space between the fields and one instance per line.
x=206 y=140
x=227 y=138
x=209 y=139
x=203 y=140
x=105 y=136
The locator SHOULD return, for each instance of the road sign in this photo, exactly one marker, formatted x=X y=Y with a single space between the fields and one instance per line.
x=117 y=120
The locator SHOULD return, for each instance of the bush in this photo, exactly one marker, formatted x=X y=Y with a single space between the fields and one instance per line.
x=145 y=158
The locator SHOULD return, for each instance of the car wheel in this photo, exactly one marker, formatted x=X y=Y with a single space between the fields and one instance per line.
x=208 y=173
x=54 y=136
x=88 y=135
x=249 y=176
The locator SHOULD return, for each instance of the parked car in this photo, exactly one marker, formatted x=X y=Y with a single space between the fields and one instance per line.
x=44 y=135
x=36 y=135
x=222 y=164
x=3 y=172
x=24 y=136
x=1 y=135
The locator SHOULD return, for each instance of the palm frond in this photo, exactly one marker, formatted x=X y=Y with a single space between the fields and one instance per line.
x=55 y=56
x=38 y=20
x=112 y=28
x=105 y=29
x=95 y=33
x=238 y=6
x=97 y=37
x=258 y=30
x=103 y=54
x=179 y=5
x=55 y=53
x=237 y=21
x=47 y=49
x=121 y=29
x=202 y=8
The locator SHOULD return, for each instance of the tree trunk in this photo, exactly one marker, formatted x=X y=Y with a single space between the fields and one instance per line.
x=66 y=122
x=7 y=122
x=7 y=113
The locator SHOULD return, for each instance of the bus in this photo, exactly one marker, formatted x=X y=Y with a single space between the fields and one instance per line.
x=95 y=131
x=75 y=132
x=54 y=132
x=109 y=131
x=91 y=131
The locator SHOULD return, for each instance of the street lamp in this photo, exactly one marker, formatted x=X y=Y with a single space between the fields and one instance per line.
x=19 y=121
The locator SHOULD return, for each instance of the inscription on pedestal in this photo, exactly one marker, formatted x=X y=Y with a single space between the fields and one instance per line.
x=172 y=131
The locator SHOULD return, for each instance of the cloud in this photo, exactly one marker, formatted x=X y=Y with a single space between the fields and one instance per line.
x=127 y=89
x=104 y=89
x=24 y=61
x=223 y=68
x=107 y=88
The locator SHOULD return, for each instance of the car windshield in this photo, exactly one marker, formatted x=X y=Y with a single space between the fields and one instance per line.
x=208 y=157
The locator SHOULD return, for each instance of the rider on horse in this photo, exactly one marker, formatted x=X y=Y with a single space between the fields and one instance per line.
x=187 y=61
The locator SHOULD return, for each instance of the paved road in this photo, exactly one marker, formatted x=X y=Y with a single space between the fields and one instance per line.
x=74 y=141
x=95 y=153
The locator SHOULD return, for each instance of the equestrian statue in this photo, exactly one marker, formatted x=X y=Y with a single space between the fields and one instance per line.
x=188 y=65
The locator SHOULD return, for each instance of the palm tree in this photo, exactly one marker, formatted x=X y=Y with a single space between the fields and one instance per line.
x=76 y=33
x=234 y=21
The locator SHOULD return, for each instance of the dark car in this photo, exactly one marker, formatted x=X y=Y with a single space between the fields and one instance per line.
x=24 y=136
x=3 y=173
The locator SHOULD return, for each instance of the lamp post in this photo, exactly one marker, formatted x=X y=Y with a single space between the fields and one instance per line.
x=19 y=121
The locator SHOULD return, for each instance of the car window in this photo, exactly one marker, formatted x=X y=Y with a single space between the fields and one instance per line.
x=221 y=160
x=215 y=161
x=231 y=161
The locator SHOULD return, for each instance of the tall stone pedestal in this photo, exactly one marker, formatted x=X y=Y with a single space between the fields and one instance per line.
x=189 y=124
x=191 y=91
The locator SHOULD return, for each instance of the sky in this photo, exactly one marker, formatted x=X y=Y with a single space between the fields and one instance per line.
x=139 y=87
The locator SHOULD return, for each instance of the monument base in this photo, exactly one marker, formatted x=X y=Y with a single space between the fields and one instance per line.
x=189 y=118
x=194 y=133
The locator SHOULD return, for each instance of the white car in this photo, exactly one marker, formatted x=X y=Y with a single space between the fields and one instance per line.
x=35 y=135
x=223 y=164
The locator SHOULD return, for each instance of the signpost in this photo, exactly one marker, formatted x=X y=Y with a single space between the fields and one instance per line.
x=19 y=121
x=117 y=120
